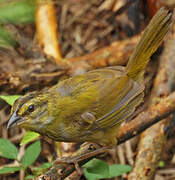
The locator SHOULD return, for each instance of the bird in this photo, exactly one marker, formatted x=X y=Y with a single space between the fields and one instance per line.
x=91 y=107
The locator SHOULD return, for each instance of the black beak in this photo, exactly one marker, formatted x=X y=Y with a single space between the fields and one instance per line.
x=14 y=118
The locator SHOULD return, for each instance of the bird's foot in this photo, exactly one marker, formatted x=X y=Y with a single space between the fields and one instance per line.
x=69 y=160
x=86 y=151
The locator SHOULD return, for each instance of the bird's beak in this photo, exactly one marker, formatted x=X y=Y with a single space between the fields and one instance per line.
x=14 y=119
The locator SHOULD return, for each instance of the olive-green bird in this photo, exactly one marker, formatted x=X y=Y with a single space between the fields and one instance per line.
x=91 y=107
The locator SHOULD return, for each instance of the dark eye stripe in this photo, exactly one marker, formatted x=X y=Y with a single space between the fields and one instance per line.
x=27 y=112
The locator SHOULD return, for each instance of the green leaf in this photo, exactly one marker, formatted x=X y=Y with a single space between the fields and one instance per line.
x=28 y=137
x=10 y=99
x=41 y=169
x=118 y=170
x=6 y=38
x=31 y=154
x=30 y=177
x=17 y=11
x=7 y=149
x=96 y=169
x=46 y=165
x=161 y=164
x=13 y=169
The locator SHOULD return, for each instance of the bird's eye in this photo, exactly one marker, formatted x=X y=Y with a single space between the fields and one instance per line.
x=31 y=108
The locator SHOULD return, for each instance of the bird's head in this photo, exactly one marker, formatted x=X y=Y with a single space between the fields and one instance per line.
x=30 y=111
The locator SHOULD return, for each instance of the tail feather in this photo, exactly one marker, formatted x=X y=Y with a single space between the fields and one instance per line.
x=150 y=41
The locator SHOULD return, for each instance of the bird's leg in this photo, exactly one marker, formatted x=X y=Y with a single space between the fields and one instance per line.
x=85 y=152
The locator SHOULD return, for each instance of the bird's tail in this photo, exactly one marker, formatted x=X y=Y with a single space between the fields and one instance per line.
x=150 y=41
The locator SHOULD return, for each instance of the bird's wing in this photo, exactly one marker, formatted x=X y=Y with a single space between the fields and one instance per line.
x=100 y=98
x=119 y=95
